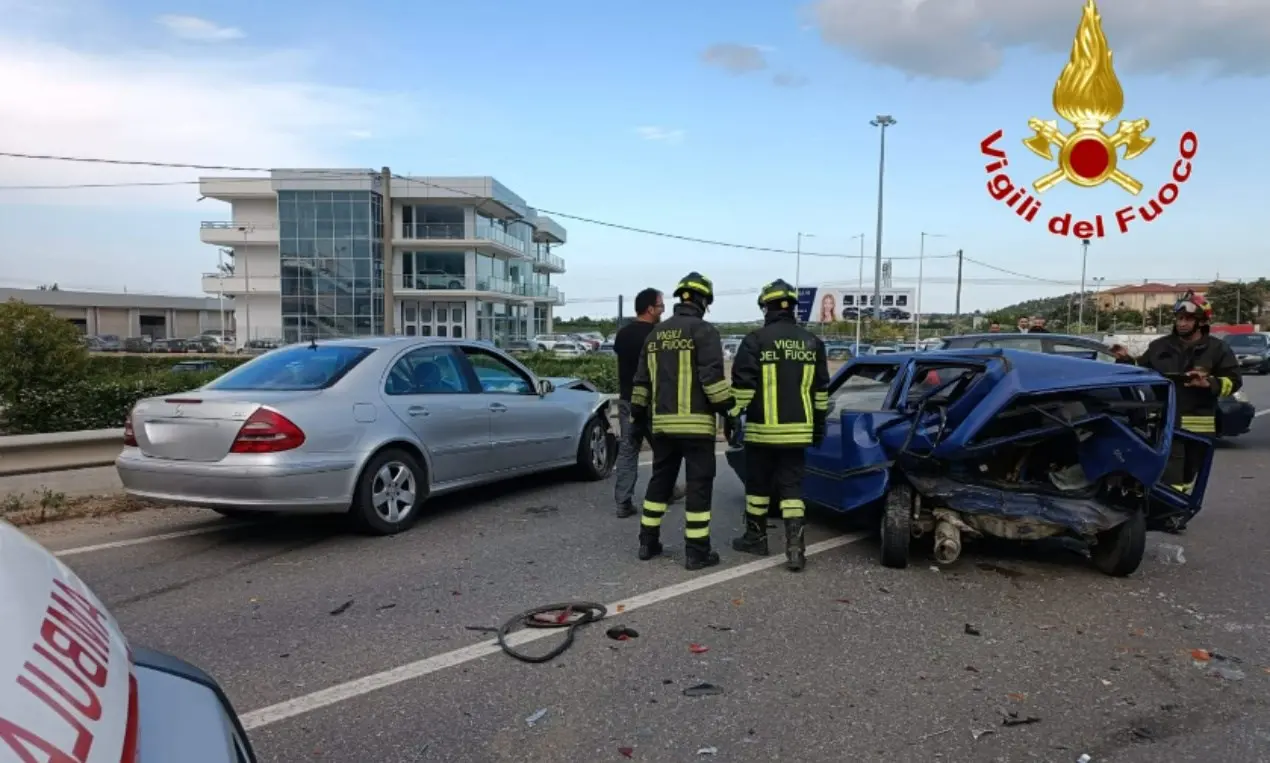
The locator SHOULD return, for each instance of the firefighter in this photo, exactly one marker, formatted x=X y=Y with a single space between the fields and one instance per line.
x=780 y=379
x=1203 y=370
x=678 y=393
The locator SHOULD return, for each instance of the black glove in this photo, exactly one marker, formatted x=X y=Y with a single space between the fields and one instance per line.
x=818 y=432
x=639 y=430
x=732 y=429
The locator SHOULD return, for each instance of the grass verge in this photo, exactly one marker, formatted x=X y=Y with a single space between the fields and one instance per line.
x=23 y=509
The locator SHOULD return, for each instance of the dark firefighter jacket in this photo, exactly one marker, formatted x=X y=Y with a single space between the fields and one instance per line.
x=1196 y=407
x=680 y=376
x=780 y=378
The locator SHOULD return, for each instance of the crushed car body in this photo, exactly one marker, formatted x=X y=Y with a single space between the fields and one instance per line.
x=962 y=444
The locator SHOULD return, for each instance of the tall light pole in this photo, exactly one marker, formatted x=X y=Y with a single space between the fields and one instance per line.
x=1097 y=307
x=1084 y=261
x=883 y=121
x=798 y=260
x=921 y=268
x=859 y=319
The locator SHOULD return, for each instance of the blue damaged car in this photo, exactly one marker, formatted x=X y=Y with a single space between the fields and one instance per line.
x=955 y=445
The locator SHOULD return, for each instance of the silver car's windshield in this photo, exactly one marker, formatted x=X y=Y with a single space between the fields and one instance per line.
x=303 y=367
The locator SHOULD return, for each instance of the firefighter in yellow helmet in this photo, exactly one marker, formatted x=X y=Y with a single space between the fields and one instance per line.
x=780 y=379
x=679 y=391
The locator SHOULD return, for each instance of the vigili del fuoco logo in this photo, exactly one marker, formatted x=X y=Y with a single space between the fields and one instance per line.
x=1089 y=96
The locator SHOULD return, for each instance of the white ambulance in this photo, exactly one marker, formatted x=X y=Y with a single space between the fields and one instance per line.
x=73 y=691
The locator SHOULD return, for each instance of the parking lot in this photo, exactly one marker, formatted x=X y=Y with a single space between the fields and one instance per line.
x=346 y=648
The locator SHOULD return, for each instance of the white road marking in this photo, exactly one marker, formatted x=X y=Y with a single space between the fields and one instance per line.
x=177 y=534
x=1261 y=413
x=358 y=687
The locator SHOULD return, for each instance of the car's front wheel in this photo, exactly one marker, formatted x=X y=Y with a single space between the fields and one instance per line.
x=897 y=526
x=597 y=451
x=1119 y=551
x=390 y=493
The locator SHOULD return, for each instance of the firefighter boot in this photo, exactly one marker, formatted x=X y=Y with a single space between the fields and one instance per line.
x=698 y=556
x=754 y=541
x=795 y=546
x=649 y=543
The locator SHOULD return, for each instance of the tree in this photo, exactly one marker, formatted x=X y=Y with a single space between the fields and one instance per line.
x=1238 y=302
x=38 y=351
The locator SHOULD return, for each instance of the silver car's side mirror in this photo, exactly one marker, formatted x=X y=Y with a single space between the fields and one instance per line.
x=545 y=387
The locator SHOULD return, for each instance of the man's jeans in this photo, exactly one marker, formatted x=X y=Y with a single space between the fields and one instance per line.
x=627 y=456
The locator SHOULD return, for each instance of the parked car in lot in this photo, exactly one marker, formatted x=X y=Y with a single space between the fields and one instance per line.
x=1252 y=350
x=100 y=701
x=259 y=346
x=568 y=349
x=963 y=444
x=194 y=367
x=1234 y=413
x=370 y=427
x=547 y=342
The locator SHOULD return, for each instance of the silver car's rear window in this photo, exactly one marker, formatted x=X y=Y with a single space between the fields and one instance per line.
x=302 y=367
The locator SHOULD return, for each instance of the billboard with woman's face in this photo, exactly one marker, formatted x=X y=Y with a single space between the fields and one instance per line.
x=833 y=304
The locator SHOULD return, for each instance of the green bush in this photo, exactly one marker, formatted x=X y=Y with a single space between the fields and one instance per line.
x=38 y=351
x=113 y=366
x=94 y=403
x=600 y=370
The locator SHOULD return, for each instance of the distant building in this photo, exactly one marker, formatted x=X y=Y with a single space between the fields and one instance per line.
x=1146 y=297
x=468 y=257
x=129 y=315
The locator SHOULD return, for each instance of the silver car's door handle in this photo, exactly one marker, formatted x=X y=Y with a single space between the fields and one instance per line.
x=498 y=407
x=417 y=410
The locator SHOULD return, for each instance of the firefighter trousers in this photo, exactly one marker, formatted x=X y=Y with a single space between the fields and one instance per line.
x=774 y=476
x=699 y=461
x=1185 y=461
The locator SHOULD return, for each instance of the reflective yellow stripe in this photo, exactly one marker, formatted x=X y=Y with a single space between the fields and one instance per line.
x=652 y=514
x=696 y=533
x=792 y=508
x=695 y=285
x=769 y=395
x=654 y=506
x=719 y=392
x=758 y=500
x=1187 y=489
x=685 y=382
x=639 y=396
x=1226 y=387
x=1199 y=424
x=652 y=381
x=804 y=392
x=697 y=516
x=821 y=401
x=763 y=438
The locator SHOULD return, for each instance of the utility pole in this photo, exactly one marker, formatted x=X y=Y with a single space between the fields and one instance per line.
x=921 y=270
x=389 y=263
x=798 y=260
x=1084 y=261
x=619 y=310
x=883 y=121
x=859 y=316
x=957 y=318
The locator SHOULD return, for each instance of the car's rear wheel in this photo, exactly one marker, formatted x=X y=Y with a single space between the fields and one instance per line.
x=390 y=493
x=1119 y=551
x=897 y=526
x=597 y=451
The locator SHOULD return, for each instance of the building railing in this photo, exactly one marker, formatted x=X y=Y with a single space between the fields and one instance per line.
x=550 y=260
x=243 y=226
x=490 y=233
x=433 y=281
x=445 y=231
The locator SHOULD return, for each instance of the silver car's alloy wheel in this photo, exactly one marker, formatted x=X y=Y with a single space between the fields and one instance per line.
x=599 y=448
x=393 y=491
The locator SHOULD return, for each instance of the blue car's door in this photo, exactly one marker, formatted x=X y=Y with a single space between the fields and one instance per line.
x=850 y=469
x=1172 y=506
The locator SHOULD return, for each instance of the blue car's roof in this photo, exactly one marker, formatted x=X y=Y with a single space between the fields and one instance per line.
x=1033 y=371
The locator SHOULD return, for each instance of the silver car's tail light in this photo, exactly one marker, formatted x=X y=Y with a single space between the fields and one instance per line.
x=267 y=431
x=129 y=434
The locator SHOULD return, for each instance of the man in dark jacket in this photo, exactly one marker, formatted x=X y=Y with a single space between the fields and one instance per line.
x=678 y=393
x=628 y=345
x=780 y=379
x=1203 y=370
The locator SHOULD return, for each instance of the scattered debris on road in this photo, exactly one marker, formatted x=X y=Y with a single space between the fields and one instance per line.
x=698 y=648
x=1084 y=758
x=341 y=609
x=977 y=733
x=621 y=633
x=723 y=628
x=541 y=510
x=1168 y=553
x=626 y=752
x=536 y=716
x=570 y=615
x=703 y=690
x=970 y=630
x=708 y=751
x=1013 y=718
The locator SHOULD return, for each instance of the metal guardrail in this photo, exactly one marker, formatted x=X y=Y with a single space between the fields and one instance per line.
x=59 y=452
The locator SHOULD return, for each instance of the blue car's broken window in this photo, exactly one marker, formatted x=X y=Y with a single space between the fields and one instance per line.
x=864 y=388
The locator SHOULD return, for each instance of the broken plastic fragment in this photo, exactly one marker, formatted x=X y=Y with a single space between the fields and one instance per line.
x=1084 y=758
x=1167 y=553
x=976 y=733
x=537 y=716
x=703 y=690
x=626 y=752
x=621 y=633
x=708 y=751
x=1200 y=655
x=698 y=648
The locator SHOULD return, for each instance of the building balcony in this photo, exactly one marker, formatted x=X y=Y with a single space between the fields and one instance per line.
x=486 y=239
x=233 y=284
x=479 y=286
x=546 y=262
x=556 y=296
x=238 y=233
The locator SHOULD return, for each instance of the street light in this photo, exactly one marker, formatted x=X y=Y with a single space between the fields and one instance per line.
x=1084 y=261
x=921 y=267
x=883 y=121
x=1097 y=307
x=859 y=319
x=798 y=260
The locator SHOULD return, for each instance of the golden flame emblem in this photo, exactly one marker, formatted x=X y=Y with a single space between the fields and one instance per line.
x=1088 y=94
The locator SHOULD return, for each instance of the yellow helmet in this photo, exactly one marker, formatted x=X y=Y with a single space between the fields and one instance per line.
x=778 y=294
x=695 y=283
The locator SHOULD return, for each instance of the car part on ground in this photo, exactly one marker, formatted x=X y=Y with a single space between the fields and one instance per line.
x=368 y=427
x=959 y=445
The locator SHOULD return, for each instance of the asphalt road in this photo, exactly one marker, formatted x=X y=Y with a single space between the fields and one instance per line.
x=342 y=648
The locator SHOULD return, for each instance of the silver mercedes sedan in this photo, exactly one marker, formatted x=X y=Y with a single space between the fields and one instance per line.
x=370 y=427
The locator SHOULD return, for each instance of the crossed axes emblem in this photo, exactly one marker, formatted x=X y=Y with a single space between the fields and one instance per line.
x=1129 y=134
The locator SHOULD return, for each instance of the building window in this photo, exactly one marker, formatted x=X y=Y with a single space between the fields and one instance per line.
x=330 y=243
x=433 y=270
x=432 y=221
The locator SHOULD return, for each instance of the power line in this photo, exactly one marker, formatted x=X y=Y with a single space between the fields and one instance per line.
x=565 y=215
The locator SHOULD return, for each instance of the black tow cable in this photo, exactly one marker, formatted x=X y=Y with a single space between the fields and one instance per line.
x=572 y=615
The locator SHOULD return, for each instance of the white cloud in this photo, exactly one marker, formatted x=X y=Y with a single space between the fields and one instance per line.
x=966 y=39
x=735 y=58
x=661 y=134
x=245 y=109
x=195 y=28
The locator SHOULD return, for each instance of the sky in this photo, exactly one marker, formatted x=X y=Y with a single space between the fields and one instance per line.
x=708 y=119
